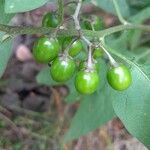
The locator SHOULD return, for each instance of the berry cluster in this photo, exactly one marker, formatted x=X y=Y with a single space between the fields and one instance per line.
x=63 y=66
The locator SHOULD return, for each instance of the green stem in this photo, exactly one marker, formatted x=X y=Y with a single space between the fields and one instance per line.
x=76 y=16
x=89 y=62
x=17 y=30
x=130 y=62
x=120 y=17
x=112 y=61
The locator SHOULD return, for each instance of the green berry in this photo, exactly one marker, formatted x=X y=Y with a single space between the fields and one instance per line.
x=119 y=77
x=86 y=82
x=75 y=48
x=63 y=68
x=45 y=49
x=50 y=20
x=98 y=52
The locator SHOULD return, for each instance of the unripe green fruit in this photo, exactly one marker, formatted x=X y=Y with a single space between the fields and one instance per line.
x=75 y=48
x=98 y=52
x=119 y=77
x=45 y=49
x=50 y=20
x=62 y=69
x=86 y=82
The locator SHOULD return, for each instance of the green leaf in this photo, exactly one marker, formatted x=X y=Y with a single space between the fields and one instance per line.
x=5 y=53
x=73 y=94
x=5 y=47
x=44 y=78
x=94 y=111
x=108 y=6
x=139 y=3
x=131 y=38
x=143 y=55
x=146 y=69
x=15 y=6
x=133 y=106
x=139 y=18
x=4 y=18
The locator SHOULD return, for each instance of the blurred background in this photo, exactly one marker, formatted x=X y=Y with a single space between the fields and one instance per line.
x=39 y=116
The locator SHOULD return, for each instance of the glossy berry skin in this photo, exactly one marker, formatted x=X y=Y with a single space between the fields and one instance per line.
x=75 y=48
x=119 y=78
x=62 y=69
x=45 y=49
x=96 y=22
x=98 y=52
x=50 y=20
x=86 y=82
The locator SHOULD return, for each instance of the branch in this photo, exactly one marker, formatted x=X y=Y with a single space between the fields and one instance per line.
x=77 y=23
x=78 y=28
x=115 y=29
x=76 y=15
x=112 y=62
x=17 y=30
x=120 y=17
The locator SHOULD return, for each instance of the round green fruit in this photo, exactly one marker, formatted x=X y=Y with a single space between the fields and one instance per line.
x=119 y=77
x=98 y=52
x=75 y=48
x=86 y=82
x=50 y=20
x=62 y=69
x=45 y=49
